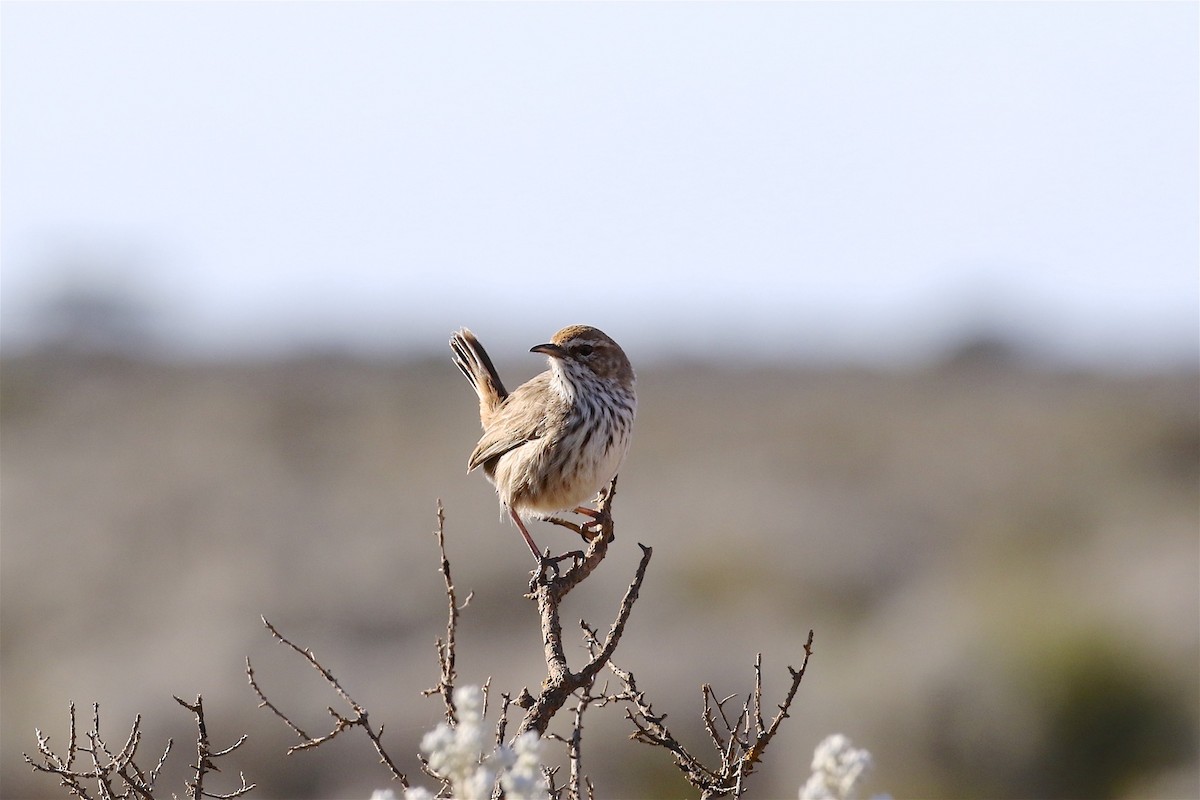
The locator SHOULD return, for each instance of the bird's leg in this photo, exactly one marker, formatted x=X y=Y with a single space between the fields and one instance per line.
x=588 y=512
x=566 y=524
x=533 y=548
x=582 y=530
x=587 y=530
x=597 y=522
x=599 y=515
x=598 y=519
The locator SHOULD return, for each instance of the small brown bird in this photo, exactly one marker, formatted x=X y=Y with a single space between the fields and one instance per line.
x=560 y=437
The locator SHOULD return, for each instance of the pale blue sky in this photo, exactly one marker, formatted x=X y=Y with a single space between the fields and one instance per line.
x=835 y=180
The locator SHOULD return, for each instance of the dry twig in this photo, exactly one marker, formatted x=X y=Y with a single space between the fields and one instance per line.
x=340 y=723
x=445 y=647
x=740 y=743
x=205 y=757
x=548 y=591
x=117 y=776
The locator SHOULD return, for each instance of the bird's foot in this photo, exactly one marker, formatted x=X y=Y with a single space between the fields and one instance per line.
x=548 y=569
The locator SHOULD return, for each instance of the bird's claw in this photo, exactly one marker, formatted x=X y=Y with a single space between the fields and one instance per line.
x=548 y=566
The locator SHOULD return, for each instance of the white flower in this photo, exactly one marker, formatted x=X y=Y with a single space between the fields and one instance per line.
x=837 y=767
x=457 y=755
x=388 y=794
x=523 y=780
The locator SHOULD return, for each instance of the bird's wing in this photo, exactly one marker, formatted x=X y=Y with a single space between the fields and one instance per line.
x=519 y=420
x=495 y=444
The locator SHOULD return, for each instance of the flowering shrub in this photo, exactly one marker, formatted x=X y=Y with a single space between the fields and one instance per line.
x=456 y=754
x=838 y=767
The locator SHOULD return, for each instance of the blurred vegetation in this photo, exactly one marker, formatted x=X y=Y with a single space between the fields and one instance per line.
x=1001 y=563
x=1109 y=720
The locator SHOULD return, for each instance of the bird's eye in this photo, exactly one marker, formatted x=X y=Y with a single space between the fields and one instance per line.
x=583 y=350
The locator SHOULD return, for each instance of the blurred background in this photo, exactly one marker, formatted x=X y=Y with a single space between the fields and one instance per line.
x=912 y=290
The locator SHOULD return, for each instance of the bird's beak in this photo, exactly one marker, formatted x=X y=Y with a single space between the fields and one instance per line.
x=552 y=350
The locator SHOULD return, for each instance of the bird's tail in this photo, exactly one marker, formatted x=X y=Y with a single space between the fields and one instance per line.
x=473 y=360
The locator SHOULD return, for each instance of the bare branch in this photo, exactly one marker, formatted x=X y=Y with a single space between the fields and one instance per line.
x=118 y=775
x=548 y=592
x=755 y=753
x=263 y=702
x=72 y=747
x=502 y=722
x=758 y=719
x=341 y=723
x=575 y=748
x=205 y=757
x=446 y=648
x=115 y=775
x=312 y=659
x=153 y=776
x=744 y=741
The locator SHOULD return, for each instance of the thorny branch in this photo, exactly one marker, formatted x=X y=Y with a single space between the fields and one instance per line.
x=447 y=658
x=445 y=647
x=205 y=756
x=741 y=743
x=340 y=723
x=739 y=739
x=118 y=776
x=579 y=785
x=548 y=591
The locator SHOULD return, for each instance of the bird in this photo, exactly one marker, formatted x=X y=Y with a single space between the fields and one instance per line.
x=560 y=437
